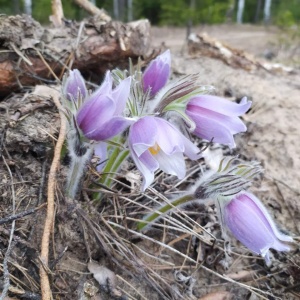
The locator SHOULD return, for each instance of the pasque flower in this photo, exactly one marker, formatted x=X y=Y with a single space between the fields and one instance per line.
x=217 y=118
x=157 y=73
x=100 y=150
x=155 y=143
x=100 y=117
x=248 y=220
x=74 y=86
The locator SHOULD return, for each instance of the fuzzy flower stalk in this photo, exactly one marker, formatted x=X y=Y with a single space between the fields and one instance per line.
x=95 y=117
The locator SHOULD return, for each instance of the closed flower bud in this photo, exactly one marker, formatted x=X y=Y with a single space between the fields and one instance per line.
x=157 y=73
x=74 y=86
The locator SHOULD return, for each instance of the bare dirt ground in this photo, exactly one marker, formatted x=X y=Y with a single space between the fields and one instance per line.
x=191 y=266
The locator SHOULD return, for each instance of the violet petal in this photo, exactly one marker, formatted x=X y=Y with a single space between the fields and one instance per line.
x=233 y=124
x=111 y=128
x=252 y=227
x=143 y=135
x=168 y=137
x=172 y=164
x=94 y=113
x=120 y=95
x=208 y=129
x=221 y=105
x=157 y=73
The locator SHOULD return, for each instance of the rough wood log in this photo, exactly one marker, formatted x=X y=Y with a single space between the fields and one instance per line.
x=205 y=45
x=31 y=54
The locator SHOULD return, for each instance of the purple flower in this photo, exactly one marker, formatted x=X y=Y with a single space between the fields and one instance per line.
x=100 y=150
x=99 y=118
x=155 y=143
x=217 y=118
x=251 y=224
x=73 y=86
x=157 y=73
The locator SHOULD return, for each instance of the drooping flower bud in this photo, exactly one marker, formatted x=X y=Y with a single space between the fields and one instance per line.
x=250 y=223
x=74 y=86
x=157 y=73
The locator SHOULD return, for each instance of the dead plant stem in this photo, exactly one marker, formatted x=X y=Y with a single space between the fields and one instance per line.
x=45 y=284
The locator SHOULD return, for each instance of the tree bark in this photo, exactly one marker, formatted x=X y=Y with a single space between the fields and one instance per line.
x=31 y=54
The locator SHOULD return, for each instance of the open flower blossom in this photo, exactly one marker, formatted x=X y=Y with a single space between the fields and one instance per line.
x=157 y=73
x=217 y=118
x=155 y=143
x=250 y=223
x=100 y=116
x=74 y=86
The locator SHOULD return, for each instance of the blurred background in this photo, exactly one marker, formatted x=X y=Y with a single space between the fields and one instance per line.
x=171 y=12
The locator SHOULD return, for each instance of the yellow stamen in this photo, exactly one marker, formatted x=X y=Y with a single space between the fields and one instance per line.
x=155 y=149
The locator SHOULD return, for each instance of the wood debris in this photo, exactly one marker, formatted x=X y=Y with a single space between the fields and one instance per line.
x=205 y=45
x=31 y=54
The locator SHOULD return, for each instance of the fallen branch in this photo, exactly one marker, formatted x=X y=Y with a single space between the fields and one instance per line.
x=205 y=45
x=93 y=10
x=58 y=13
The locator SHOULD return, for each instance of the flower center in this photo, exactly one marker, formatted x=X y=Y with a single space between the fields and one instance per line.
x=155 y=149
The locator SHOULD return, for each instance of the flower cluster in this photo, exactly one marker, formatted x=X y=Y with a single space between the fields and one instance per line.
x=142 y=101
x=139 y=113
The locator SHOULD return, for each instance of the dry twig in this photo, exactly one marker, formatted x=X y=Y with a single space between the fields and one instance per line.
x=45 y=285
x=22 y=214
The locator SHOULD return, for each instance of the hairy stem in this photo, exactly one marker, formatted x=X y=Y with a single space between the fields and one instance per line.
x=77 y=168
